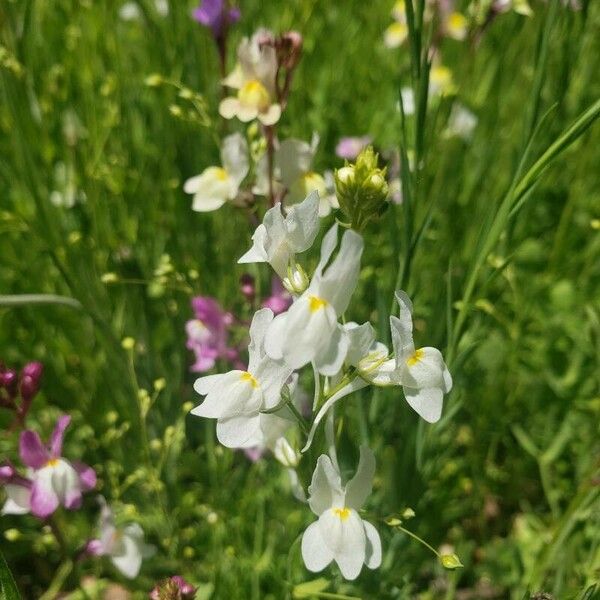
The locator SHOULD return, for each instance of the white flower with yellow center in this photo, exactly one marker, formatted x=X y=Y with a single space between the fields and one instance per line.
x=456 y=26
x=421 y=372
x=441 y=82
x=236 y=398
x=277 y=239
x=217 y=185
x=395 y=35
x=340 y=534
x=254 y=80
x=309 y=331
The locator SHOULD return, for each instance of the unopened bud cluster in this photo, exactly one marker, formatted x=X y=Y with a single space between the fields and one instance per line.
x=361 y=189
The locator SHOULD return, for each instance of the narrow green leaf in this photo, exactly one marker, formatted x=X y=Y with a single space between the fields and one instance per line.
x=8 y=587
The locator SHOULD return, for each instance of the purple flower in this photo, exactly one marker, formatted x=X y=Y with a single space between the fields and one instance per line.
x=350 y=147
x=215 y=15
x=279 y=300
x=55 y=481
x=174 y=588
x=207 y=334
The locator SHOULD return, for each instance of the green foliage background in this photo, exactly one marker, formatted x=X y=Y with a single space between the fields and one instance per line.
x=509 y=477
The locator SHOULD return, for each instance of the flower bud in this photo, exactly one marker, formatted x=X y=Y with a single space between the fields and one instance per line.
x=31 y=376
x=361 y=189
x=174 y=588
x=450 y=561
x=289 y=49
x=9 y=380
x=285 y=454
x=296 y=281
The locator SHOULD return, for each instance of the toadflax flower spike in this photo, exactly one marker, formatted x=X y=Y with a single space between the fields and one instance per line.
x=340 y=534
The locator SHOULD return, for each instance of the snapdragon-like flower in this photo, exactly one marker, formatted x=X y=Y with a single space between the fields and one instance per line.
x=217 y=185
x=397 y=33
x=254 y=78
x=421 y=372
x=124 y=546
x=237 y=398
x=55 y=481
x=340 y=534
x=309 y=331
x=216 y=15
x=294 y=160
x=208 y=333
x=278 y=239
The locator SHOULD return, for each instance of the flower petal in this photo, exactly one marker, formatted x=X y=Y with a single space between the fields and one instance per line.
x=270 y=116
x=44 y=500
x=302 y=223
x=325 y=488
x=31 y=450
x=234 y=156
x=87 y=475
x=427 y=402
x=373 y=549
x=359 y=488
x=229 y=107
x=315 y=552
x=18 y=500
x=330 y=360
x=239 y=431
x=56 y=440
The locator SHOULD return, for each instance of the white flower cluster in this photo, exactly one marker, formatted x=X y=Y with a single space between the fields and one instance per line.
x=257 y=406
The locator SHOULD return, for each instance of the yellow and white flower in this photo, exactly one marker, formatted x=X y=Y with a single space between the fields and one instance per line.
x=395 y=35
x=254 y=80
x=277 y=239
x=309 y=331
x=340 y=534
x=237 y=398
x=217 y=185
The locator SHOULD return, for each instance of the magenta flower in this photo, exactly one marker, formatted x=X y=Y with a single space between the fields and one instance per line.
x=350 y=147
x=216 y=15
x=280 y=299
x=208 y=333
x=55 y=481
x=31 y=376
x=175 y=587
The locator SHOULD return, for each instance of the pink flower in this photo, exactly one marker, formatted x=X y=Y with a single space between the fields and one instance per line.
x=350 y=147
x=207 y=334
x=55 y=481
x=174 y=588
x=280 y=299
x=215 y=15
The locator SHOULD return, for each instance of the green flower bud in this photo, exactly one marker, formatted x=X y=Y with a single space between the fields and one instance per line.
x=362 y=189
x=450 y=561
x=296 y=281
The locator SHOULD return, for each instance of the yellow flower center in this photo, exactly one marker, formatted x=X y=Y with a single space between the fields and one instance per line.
x=342 y=513
x=411 y=361
x=221 y=174
x=315 y=303
x=249 y=378
x=52 y=462
x=254 y=94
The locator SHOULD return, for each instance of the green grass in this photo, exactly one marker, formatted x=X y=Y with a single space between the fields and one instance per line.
x=509 y=289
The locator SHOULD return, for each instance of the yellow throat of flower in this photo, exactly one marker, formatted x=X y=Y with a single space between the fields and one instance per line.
x=250 y=379
x=52 y=462
x=342 y=513
x=315 y=303
x=417 y=357
x=221 y=174
x=255 y=95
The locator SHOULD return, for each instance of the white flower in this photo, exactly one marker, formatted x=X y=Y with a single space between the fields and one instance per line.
x=421 y=372
x=125 y=547
x=309 y=330
x=254 y=78
x=456 y=26
x=236 y=398
x=340 y=534
x=462 y=122
x=216 y=185
x=277 y=239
